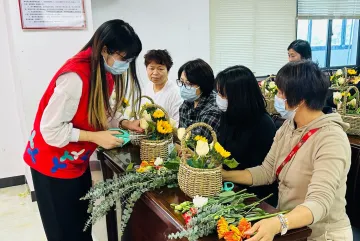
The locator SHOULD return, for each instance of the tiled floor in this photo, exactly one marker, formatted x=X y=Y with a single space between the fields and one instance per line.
x=20 y=219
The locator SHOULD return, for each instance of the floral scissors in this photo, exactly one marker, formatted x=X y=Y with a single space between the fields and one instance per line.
x=228 y=186
x=125 y=135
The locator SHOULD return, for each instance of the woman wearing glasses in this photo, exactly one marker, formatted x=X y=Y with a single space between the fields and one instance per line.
x=196 y=81
x=72 y=120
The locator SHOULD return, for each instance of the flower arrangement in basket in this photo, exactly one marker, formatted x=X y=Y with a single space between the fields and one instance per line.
x=343 y=78
x=158 y=128
x=269 y=90
x=348 y=108
x=200 y=174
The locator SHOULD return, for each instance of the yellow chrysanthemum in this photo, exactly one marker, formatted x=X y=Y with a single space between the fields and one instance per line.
x=202 y=138
x=126 y=102
x=158 y=113
x=233 y=235
x=141 y=170
x=219 y=149
x=351 y=71
x=222 y=227
x=164 y=127
x=343 y=94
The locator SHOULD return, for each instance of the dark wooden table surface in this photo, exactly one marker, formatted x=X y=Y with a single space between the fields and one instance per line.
x=153 y=218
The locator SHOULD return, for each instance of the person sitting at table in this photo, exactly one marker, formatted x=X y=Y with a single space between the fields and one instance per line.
x=310 y=159
x=196 y=82
x=163 y=91
x=246 y=129
x=299 y=50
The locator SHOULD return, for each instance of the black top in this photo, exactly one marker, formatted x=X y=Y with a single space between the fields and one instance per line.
x=249 y=145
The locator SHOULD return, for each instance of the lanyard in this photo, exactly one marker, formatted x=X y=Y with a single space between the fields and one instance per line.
x=295 y=149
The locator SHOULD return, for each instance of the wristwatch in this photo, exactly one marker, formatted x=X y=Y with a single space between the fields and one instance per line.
x=284 y=224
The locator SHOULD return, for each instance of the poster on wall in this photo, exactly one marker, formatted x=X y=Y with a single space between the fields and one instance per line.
x=52 y=14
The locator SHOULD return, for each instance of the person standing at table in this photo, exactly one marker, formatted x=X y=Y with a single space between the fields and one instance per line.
x=72 y=120
x=163 y=91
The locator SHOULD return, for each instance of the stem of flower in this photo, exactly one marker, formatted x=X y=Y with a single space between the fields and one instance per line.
x=265 y=216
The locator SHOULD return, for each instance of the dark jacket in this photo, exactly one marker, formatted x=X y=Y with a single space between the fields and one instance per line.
x=249 y=144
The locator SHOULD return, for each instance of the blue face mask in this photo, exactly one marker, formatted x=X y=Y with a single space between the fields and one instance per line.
x=279 y=105
x=118 y=67
x=221 y=103
x=189 y=94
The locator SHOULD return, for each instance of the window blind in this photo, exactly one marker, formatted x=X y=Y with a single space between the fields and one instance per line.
x=254 y=33
x=328 y=9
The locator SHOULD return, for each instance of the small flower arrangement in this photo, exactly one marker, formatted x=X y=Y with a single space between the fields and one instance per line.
x=269 y=87
x=338 y=98
x=338 y=79
x=206 y=156
x=154 y=121
x=226 y=213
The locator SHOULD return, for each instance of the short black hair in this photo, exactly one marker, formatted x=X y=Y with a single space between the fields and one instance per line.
x=159 y=56
x=200 y=73
x=239 y=85
x=303 y=80
x=302 y=47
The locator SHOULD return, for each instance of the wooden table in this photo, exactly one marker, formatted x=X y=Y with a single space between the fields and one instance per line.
x=153 y=218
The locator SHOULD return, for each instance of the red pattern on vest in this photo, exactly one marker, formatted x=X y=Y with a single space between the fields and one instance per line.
x=72 y=160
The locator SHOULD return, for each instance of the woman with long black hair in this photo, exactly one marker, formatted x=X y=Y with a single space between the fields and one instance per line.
x=72 y=120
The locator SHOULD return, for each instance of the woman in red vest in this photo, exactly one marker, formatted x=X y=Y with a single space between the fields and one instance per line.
x=72 y=120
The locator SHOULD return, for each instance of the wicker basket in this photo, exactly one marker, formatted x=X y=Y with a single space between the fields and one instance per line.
x=196 y=181
x=270 y=108
x=151 y=149
x=352 y=119
x=136 y=137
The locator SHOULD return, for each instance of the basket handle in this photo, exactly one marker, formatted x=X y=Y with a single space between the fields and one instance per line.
x=193 y=126
x=135 y=113
x=155 y=106
x=345 y=98
x=263 y=87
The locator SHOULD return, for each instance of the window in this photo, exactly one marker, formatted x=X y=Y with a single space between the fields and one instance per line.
x=344 y=40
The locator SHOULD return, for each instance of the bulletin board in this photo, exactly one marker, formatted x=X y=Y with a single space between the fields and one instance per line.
x=52 y=14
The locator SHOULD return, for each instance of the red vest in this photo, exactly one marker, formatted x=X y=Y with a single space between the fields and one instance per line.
x=72 y=160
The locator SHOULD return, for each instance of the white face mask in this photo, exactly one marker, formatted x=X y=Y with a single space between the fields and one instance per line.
x=279 y=105
x=221 y=103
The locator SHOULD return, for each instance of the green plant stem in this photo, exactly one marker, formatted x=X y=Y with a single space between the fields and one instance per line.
x=265 y=216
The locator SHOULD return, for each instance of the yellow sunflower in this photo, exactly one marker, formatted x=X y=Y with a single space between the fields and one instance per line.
x=219 y=149
x=158 y=114
x=164 y=127
x=202 y=138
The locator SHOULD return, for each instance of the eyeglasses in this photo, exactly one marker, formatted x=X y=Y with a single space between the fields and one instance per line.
x=180 y=83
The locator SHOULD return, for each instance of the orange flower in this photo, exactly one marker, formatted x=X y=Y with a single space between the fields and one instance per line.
x=233 y=235
x=144 y=164
x=222 y=227
x=244 y=226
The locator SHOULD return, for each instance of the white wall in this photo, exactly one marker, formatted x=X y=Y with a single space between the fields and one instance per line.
x=181 y=27
x=11 y=140
x=34 y=58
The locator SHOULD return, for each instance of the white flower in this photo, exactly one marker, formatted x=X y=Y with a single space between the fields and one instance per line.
x=181 y=133
x=144 y=124
x=272 y=85
x=339 y=72
x=159 y=161
x=262 y=83
x=202 y=148
x=341 y=80
x=199 y=201
x=211 y=145
x=352 y=103
x=173 y=123
x=337 y=96
x=146 y=116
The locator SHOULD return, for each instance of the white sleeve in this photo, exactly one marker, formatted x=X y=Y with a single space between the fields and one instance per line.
x=114 y=121
x=174 y=107
x=55 y=126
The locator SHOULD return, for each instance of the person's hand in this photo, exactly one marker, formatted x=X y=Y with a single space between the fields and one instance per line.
x=265 y=229
x=132 y=125
x=106 y=139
